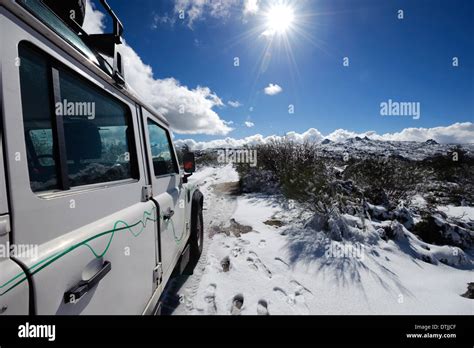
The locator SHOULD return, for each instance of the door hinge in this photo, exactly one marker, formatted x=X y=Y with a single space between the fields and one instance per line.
x=5 y=227
x=147 y=193
x=158 y=275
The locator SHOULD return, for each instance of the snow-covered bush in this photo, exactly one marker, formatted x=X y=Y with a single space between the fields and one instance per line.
x=294 y=168
x=434 y=228
x=385 y=181
x=372 y=187
x=262 y=181
x=393 y=231
x=449 y=178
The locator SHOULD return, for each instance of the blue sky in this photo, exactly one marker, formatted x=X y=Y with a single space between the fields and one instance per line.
x=403 y=60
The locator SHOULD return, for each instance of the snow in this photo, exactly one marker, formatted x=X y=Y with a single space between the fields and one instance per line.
x=216 y=175
x=407 y=149
x=418 y=201
x=465 y=214
x=298 y=271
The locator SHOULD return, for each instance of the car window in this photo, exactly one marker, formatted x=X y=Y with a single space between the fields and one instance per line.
x=98 y=132
x=42 y=143
x=37 y=111
x=161 y=150
x=97 y=135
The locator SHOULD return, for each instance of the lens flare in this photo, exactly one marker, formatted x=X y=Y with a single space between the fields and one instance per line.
x=280 y=19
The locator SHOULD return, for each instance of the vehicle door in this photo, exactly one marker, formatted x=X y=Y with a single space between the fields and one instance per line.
x=76 y=178
x=14 y=287
x=168 y=192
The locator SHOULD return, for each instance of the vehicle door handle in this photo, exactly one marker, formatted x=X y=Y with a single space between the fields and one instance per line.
x=168 y=215
x=84 y=286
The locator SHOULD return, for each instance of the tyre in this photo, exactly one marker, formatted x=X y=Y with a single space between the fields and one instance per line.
x=196 y=240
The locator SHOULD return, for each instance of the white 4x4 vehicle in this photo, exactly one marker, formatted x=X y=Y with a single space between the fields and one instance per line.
x=95 y=214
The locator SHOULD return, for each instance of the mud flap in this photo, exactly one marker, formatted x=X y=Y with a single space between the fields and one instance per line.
x=184 y=260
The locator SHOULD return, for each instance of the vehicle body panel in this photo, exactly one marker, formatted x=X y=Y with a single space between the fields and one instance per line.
x=14 y=289
x=73 y=229
x=169 y=193
x=78 y=230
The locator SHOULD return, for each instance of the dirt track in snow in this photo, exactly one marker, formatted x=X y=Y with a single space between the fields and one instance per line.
x=264 y=271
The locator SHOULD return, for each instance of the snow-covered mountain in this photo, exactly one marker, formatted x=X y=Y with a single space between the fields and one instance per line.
x=362 y=147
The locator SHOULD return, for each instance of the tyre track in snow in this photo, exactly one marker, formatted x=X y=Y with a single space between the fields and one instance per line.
x=179 y=295
x=232 y=267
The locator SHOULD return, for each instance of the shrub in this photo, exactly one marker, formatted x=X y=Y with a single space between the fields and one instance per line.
x=295 y=168
x=384 y=181
x=451 y=178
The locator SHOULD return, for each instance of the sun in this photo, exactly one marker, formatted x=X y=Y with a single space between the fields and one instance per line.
x=280 y=19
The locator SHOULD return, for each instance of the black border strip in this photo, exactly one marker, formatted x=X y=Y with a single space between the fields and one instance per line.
x=312 y=331
x=58 y=133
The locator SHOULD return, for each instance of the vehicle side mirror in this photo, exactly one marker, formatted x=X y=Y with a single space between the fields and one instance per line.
x=189 y=163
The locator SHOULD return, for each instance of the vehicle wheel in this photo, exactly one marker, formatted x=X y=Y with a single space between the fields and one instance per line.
x=196 y=241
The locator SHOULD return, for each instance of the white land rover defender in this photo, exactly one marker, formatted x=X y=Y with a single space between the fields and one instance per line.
x=95 y=214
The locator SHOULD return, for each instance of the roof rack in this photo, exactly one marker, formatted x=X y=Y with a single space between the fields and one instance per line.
x=105 y=43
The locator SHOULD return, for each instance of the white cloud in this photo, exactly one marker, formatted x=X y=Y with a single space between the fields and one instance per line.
x=234 y=104
x=311 y=135
x=251 y=7
x=268 y=34
x=461 y=133
x=94 y=20
x=342 y=134
x=272 y=89
x=162 y=20
x=249 y=124
x=196 y=10
x=192 y=11
x=189 y=111
x=222 y=143
x=458 y=133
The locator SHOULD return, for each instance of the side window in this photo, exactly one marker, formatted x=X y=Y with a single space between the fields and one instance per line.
x=98 y=144
x=162 y=153
x=42 y=145
x=37 y=111
x=97 y=130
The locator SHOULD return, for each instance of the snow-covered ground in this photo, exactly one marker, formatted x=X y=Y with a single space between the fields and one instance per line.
x=462 y=213
x=360 y=148
x=290 y=269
